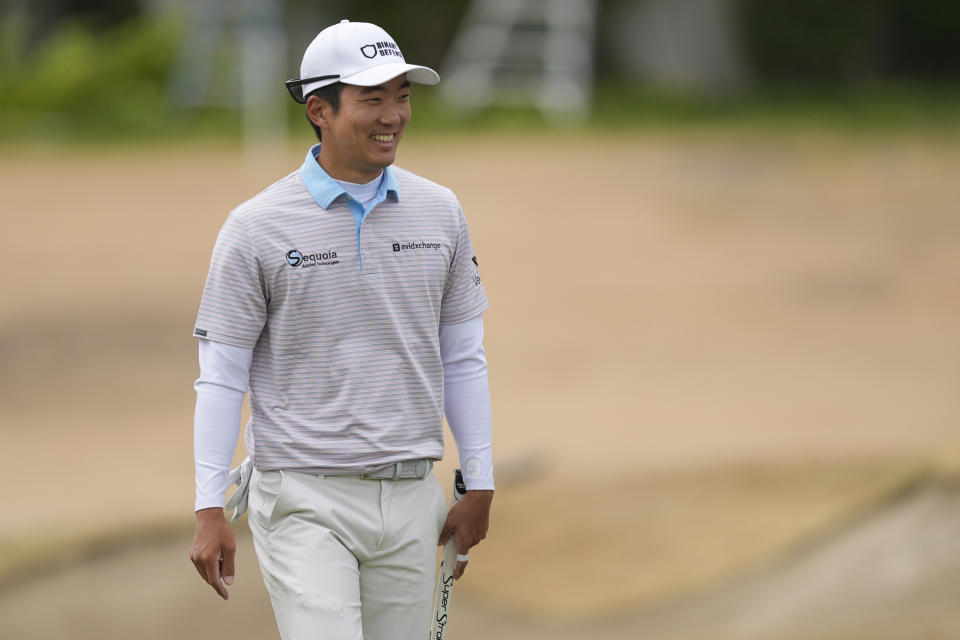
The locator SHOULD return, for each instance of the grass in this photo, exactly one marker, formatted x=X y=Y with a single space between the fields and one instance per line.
x=617 y=107
x=25 y=556
x=86 y=85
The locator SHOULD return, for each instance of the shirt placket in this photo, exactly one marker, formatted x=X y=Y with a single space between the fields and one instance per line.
x=366 y=245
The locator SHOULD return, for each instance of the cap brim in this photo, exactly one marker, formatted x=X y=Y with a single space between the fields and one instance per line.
x=386 y=72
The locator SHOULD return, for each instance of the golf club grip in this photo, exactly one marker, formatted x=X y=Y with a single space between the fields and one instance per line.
x=441 y=600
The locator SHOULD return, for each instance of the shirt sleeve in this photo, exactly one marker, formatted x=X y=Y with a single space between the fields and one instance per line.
x=467 y=399
x=463 y=294
x=233 y=308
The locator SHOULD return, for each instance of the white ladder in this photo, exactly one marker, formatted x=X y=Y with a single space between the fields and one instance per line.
x=524 y=52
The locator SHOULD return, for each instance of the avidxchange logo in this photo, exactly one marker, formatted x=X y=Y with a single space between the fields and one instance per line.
x=413 y=246
x=296 y=258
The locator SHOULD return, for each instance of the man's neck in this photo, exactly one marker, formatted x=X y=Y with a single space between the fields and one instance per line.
x=338 y=173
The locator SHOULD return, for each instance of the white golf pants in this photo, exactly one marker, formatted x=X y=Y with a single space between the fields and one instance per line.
x=347 y=558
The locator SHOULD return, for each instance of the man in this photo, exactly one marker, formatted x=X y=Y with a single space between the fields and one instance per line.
x=346 y=297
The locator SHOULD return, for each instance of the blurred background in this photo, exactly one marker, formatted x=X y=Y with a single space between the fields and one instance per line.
x=719 y=237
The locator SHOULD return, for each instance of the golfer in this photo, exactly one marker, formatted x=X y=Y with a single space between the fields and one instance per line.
x=346 y=298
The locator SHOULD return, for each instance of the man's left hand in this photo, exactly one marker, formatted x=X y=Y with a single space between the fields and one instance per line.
x=467 y=522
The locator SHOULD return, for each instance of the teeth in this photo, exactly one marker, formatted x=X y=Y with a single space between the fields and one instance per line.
x=383 y=138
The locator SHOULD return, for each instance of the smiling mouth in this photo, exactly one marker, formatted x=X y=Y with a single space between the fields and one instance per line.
x=383 y=137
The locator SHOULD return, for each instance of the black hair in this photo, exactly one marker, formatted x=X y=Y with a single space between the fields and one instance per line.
x=329 y=94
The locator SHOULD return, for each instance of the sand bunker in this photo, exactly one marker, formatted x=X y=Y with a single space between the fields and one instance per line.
x=659 y=304
x=889 y=573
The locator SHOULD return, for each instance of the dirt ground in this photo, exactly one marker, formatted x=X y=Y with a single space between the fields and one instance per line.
x=704 y=348
x=889 y=574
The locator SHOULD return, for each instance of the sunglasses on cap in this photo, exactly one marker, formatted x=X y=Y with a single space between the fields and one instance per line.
x=295 y=86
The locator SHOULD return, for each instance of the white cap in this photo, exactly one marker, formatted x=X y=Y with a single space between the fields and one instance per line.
x=357 y=53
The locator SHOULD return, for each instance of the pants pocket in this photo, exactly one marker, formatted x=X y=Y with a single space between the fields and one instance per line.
x=266 y=489
x=441 y=504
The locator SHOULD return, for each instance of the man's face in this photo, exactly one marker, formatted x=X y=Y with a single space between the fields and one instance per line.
x=361 y=139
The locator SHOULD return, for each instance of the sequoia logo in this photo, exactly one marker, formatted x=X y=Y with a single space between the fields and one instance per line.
x=296 y=258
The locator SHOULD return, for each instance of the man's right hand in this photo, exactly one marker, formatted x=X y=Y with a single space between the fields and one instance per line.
x=213 y=550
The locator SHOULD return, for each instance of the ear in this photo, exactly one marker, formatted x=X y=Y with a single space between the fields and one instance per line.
x=319 y=111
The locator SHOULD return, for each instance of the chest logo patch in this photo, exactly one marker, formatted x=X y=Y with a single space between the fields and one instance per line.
x=296 y=258
x=399 y=247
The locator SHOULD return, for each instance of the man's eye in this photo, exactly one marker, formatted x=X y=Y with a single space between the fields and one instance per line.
x=373 y=100
x=405 y=97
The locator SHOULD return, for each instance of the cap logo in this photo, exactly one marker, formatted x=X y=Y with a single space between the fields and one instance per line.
x=387 y=48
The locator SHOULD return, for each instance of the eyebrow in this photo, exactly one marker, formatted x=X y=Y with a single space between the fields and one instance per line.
x=365 y=90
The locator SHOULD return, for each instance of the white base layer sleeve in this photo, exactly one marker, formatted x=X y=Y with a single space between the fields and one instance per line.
x=466 y=400
x=224 y=378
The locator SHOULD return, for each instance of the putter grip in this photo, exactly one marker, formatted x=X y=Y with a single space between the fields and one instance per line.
x=441 y=602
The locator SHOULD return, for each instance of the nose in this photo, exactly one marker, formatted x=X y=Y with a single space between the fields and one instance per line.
x=390 y=117
x=394 y=115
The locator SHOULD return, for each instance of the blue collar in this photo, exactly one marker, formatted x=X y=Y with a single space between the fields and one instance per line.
x=325 y=189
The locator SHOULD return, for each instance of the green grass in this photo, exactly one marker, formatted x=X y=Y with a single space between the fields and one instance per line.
x=26 y=555
x=876 y=110
x=617 y=106
x=85 y=86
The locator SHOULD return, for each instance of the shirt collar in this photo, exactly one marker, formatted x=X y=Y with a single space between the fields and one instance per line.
x=325 y=189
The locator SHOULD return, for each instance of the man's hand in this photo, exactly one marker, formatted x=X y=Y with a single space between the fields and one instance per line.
x=213 y=550
x=467 y=522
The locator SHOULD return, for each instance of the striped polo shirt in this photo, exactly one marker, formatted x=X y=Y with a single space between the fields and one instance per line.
x=342 y=307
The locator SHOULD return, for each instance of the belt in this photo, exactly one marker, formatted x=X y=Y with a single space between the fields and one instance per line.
x=403 y=470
